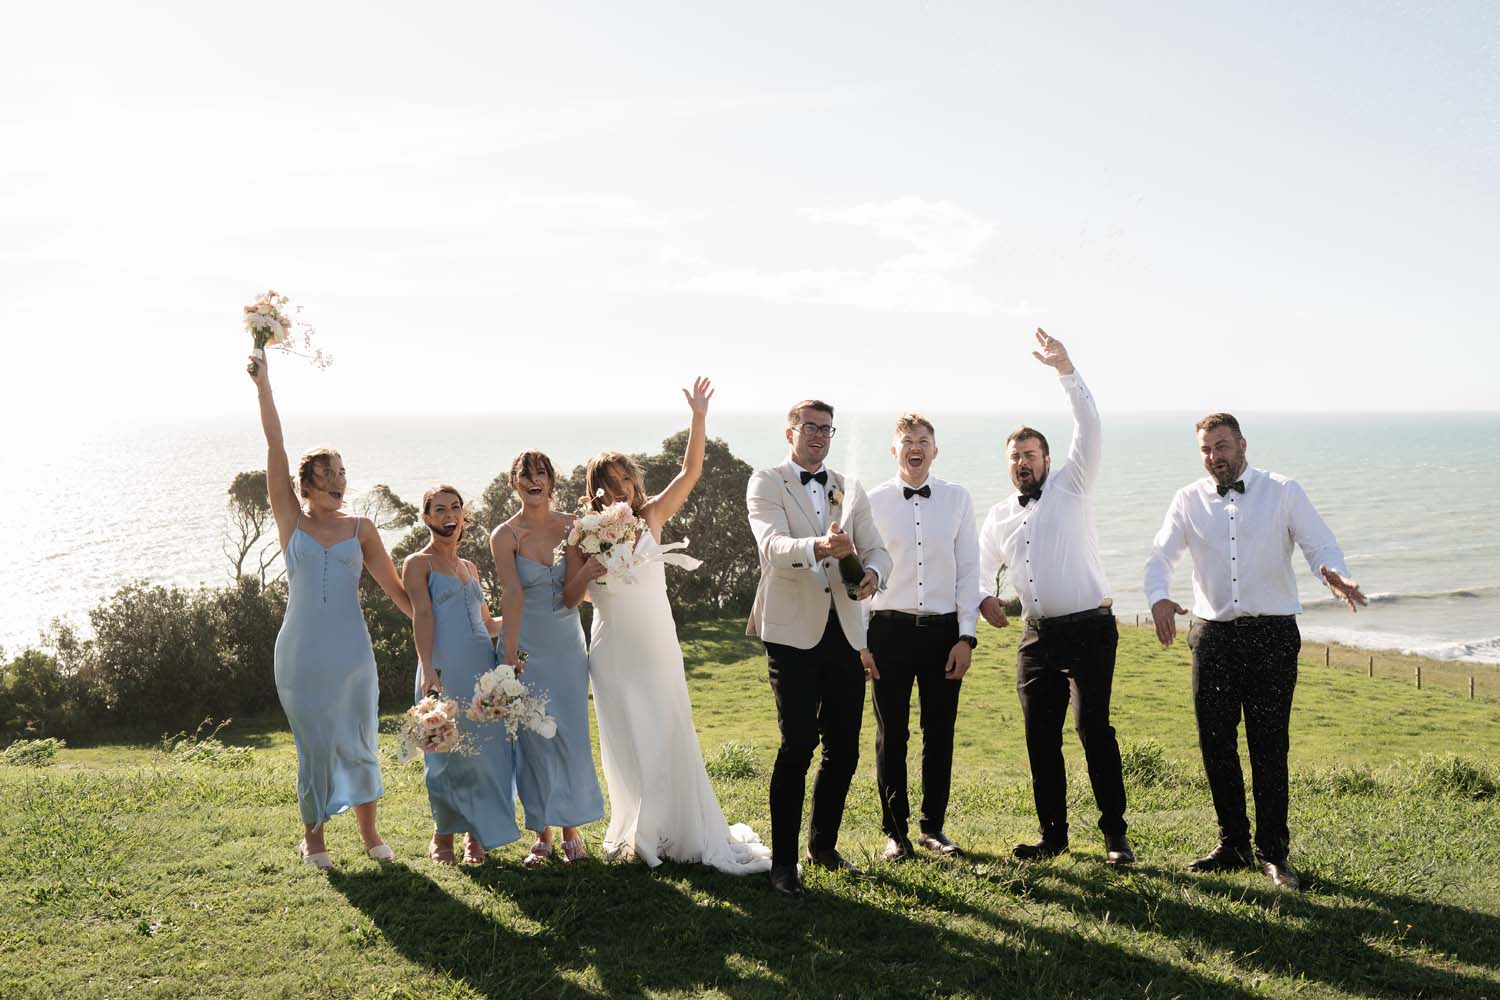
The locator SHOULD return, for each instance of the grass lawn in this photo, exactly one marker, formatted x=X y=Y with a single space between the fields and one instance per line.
x=131 y=875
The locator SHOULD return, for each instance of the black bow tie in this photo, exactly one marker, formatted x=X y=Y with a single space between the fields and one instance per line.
x=924 y=492
x=1238 y=484
x=821 y=476
x=1028 y=496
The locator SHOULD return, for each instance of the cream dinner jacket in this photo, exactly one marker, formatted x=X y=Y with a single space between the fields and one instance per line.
x=791 y=603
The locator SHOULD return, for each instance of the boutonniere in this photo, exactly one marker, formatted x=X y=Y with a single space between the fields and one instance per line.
x=835 y=496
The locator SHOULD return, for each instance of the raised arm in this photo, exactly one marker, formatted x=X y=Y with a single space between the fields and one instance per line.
x=423 y=623
x=1086 y=449
x=503 y=542
x=284 y=503
x=660 y=508
x=382 y=570
x=1166 y=548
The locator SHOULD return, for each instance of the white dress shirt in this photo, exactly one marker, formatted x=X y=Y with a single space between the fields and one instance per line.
x=1241 y=546
x=934 y=551
x=817 y=493
x=1051 y=546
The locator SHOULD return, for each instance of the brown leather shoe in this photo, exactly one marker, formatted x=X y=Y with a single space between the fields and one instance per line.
x=897 y=849
x=785 y=881
x=1117 y=850
x=939 y=843
x=1224 y=858
x=1043 y=848
x=1281 y=875
x=831 y=860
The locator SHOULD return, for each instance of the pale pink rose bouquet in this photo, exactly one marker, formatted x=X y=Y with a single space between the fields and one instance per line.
x=499 y=696
x=611 y=535
x=431 y=726
x=268 y=325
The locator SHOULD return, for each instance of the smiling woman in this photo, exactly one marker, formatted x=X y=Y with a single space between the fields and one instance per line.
x=324 y=665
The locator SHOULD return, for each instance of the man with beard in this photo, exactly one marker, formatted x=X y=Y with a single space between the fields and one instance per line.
x=1047 y=537
x=1240 y=525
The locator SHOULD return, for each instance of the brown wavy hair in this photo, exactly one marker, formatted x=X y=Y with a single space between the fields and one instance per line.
x=624 y=467
x=308 y=466
x=532 y=462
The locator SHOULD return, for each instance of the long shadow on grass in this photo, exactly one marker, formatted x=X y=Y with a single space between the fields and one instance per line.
x=625 y=930
x=1326 y=936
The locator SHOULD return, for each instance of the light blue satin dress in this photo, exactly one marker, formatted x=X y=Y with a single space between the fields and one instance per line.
x=468 y=794
x=325 y=677
x=555 y=778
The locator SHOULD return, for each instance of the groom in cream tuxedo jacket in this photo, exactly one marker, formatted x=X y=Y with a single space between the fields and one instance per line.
x=805 y=518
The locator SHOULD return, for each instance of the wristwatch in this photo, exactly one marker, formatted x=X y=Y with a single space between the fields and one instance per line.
x=973 y=642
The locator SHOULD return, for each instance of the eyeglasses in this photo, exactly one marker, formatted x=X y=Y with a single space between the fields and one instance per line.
x=818 y=430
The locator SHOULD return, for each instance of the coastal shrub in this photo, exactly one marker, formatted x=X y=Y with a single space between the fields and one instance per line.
x=31 y=753
x=244 y=618
x=733 y=760
x=45 y=693
x=1452 y=775
x=154 y=653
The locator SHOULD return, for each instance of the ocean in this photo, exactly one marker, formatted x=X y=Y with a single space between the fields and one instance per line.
x=1410 y=497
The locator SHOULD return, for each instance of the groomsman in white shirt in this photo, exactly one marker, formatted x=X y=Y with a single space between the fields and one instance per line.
x=1240 y=525
x=1047 y=537
x=921 y=631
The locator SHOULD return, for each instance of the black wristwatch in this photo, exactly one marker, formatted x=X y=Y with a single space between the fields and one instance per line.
x=973 y=642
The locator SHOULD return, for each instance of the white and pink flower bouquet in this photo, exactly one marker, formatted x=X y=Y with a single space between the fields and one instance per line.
x=611 y=535
x=268 y=325
x=431 y=726
x=499 y=696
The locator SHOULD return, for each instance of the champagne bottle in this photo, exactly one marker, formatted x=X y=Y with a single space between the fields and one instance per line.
x=852 y=573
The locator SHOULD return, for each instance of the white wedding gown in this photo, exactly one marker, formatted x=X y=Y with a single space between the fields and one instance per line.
x=661 y=805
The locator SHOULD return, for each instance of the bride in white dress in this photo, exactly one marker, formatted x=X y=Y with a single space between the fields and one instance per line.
x=661 y=805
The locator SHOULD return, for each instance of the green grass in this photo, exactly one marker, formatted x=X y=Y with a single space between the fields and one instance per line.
x=134 y=872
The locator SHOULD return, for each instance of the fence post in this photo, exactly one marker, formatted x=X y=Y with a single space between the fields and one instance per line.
x=1370 y=668
x=1325 y=656
x=1471 y=687
x=1137 y=621
x=1418 y=669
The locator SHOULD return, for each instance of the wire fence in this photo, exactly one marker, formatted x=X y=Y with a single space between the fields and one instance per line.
x=1476 y=681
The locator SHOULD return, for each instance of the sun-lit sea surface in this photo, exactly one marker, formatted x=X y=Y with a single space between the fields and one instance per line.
x=1412 y=499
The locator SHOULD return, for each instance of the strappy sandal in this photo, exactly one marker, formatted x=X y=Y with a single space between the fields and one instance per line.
x=473 y=850
x=574 y=850
x=440 y=854
x=539 y=855
x=318 y=859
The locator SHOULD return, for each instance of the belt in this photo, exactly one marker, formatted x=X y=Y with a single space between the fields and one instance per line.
x=1250 y=621
x=918 y=621
x=1107 y=611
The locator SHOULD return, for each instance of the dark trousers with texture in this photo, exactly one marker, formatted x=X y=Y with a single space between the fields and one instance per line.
x=1251 y=669
x=907 y=654
x=1055 y=664
x=820 y=697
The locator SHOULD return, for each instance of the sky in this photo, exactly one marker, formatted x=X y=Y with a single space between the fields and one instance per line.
x=493 y=207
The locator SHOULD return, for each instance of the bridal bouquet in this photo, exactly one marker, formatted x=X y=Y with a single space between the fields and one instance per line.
x=611 y=535
x=431 y=726
x=499 y=696
x=266 y=321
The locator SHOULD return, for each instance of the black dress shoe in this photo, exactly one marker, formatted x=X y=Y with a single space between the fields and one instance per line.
x=1281 y=875
x=1117 y=850
x=1224 y=858
x=1043 y=848
x=939 y=843
x=785 y=881
x=831 y=860
x=897 y=849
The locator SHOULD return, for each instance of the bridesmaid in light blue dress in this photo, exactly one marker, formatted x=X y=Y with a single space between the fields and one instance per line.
x=472 y=792
x=324 y=666
x=555 y=777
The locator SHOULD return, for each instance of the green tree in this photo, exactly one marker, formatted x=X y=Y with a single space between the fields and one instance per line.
x=246 y=522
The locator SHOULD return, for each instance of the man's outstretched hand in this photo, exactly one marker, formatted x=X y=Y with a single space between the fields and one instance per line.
x=1164 y=616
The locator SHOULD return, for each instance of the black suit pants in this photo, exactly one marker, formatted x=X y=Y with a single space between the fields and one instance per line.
x=820 y=698
x=906 y=654
x=1249 y=669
